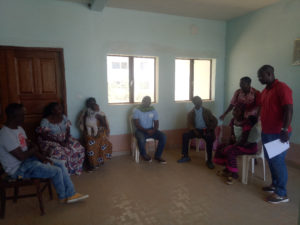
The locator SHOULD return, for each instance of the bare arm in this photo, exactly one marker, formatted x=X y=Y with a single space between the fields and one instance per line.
x=230 y=107
x=138 y=125
x=287 y=119
x=156 y=125
x=20 y=155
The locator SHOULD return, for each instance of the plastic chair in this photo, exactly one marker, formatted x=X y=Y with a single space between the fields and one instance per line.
x=198 y=146
x=246 y=160
x=135 y=152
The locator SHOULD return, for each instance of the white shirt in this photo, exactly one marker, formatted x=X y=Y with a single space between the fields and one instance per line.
x=10 y=139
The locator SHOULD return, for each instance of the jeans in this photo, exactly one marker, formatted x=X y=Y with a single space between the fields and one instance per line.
x=277 y=166
x=58 y=173
x=158 y=135
x=208 y=137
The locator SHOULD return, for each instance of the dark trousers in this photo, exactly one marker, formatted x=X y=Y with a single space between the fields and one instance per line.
x=158 y=135
x=208 y=137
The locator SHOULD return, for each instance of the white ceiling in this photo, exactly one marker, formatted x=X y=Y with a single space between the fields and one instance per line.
x=208 y=9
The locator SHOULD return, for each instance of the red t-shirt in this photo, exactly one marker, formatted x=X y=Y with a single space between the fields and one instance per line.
x=272 y=102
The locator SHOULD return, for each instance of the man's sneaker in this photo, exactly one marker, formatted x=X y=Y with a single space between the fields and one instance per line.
x=276 y=199
x=76 y=197
x=161 y=161
x=210 y=165
x=147 y=158
x=184 y=159
x=269 y=189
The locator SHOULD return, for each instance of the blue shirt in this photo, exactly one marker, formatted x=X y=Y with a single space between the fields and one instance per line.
x=199 y=121
x=146 y=118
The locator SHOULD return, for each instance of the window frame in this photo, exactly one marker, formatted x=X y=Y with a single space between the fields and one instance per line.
x=131 y=78
x=191 y=86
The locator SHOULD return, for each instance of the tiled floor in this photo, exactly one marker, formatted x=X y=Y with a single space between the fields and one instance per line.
x=123 y=192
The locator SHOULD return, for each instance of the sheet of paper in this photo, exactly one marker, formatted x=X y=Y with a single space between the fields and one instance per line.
x=276 y=147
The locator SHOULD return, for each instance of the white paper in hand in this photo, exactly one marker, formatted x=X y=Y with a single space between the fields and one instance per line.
x=276 y=147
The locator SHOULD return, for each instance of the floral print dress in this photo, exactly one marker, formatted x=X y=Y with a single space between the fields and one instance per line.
x=51 y=138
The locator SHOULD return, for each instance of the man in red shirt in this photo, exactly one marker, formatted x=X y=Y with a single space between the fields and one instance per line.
x=276 y=116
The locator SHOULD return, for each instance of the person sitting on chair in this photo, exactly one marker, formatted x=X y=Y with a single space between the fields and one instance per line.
x=145 y=119
x=244 y=139
x=201 y=124
x=20 y=158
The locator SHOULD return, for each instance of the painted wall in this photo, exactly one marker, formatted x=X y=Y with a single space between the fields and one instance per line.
x=87 y=37
x=265 y=37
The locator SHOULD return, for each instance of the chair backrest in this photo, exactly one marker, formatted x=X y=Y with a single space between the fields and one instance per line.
x=131 y=124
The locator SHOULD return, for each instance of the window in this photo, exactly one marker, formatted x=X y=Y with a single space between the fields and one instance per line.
x=192 y=78
x=130 y=78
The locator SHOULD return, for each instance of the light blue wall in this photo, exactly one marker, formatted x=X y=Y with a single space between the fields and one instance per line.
x=265 y=37
x=87 y=37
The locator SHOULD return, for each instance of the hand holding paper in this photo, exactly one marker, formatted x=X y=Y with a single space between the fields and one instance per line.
x=276 y=147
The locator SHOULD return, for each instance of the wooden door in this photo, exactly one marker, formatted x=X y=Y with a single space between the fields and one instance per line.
x=33 y=77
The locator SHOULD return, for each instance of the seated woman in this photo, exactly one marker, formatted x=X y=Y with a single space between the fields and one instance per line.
x=56 y=141
x=94 y=125
x=243 y=142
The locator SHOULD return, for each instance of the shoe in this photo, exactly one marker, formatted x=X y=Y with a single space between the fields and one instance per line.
x=269 y=189
x=161 y=161
x=229 y=180
x=184 y=159
x=276 y=199
x=147 y=158
x=76 y=197
x=210 y=165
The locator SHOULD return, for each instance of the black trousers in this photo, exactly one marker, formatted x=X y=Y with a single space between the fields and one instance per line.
x=209 y=138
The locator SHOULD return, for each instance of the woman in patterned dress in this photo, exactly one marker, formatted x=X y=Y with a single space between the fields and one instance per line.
x=98 y=147
x=246 y=95
x=56 y=141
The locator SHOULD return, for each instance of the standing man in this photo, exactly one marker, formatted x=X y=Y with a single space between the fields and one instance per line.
x=21 y=158
x=202 y=124
x=276 y=117
x=146 y=122
x=247 y=96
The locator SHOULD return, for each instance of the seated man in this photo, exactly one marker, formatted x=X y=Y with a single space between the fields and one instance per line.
x=146 y=122
x=20 y=158
x=201 y=124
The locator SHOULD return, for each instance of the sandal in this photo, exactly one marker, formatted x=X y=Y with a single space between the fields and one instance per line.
x=229 y=180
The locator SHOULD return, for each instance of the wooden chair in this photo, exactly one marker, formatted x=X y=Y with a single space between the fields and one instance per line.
x=6 y=182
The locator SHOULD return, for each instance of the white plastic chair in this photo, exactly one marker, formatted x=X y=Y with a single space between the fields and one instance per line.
x=198 y=146
x=246 y=160
x=135 y=152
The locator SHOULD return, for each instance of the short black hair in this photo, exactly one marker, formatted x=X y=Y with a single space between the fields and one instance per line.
x=246 y=80
x=89 y=100
x=12 y=108
x=48 y=109
x=196 y=98
x=266 y=68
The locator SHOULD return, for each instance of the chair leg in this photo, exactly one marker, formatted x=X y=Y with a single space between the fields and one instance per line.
x=245 y=169
x=50 y=190
x=3 y=201
x=197 y=145
x=16 y=193
x=39 y=195
x=264 y=168
x=137 y=155
x=252 y=165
